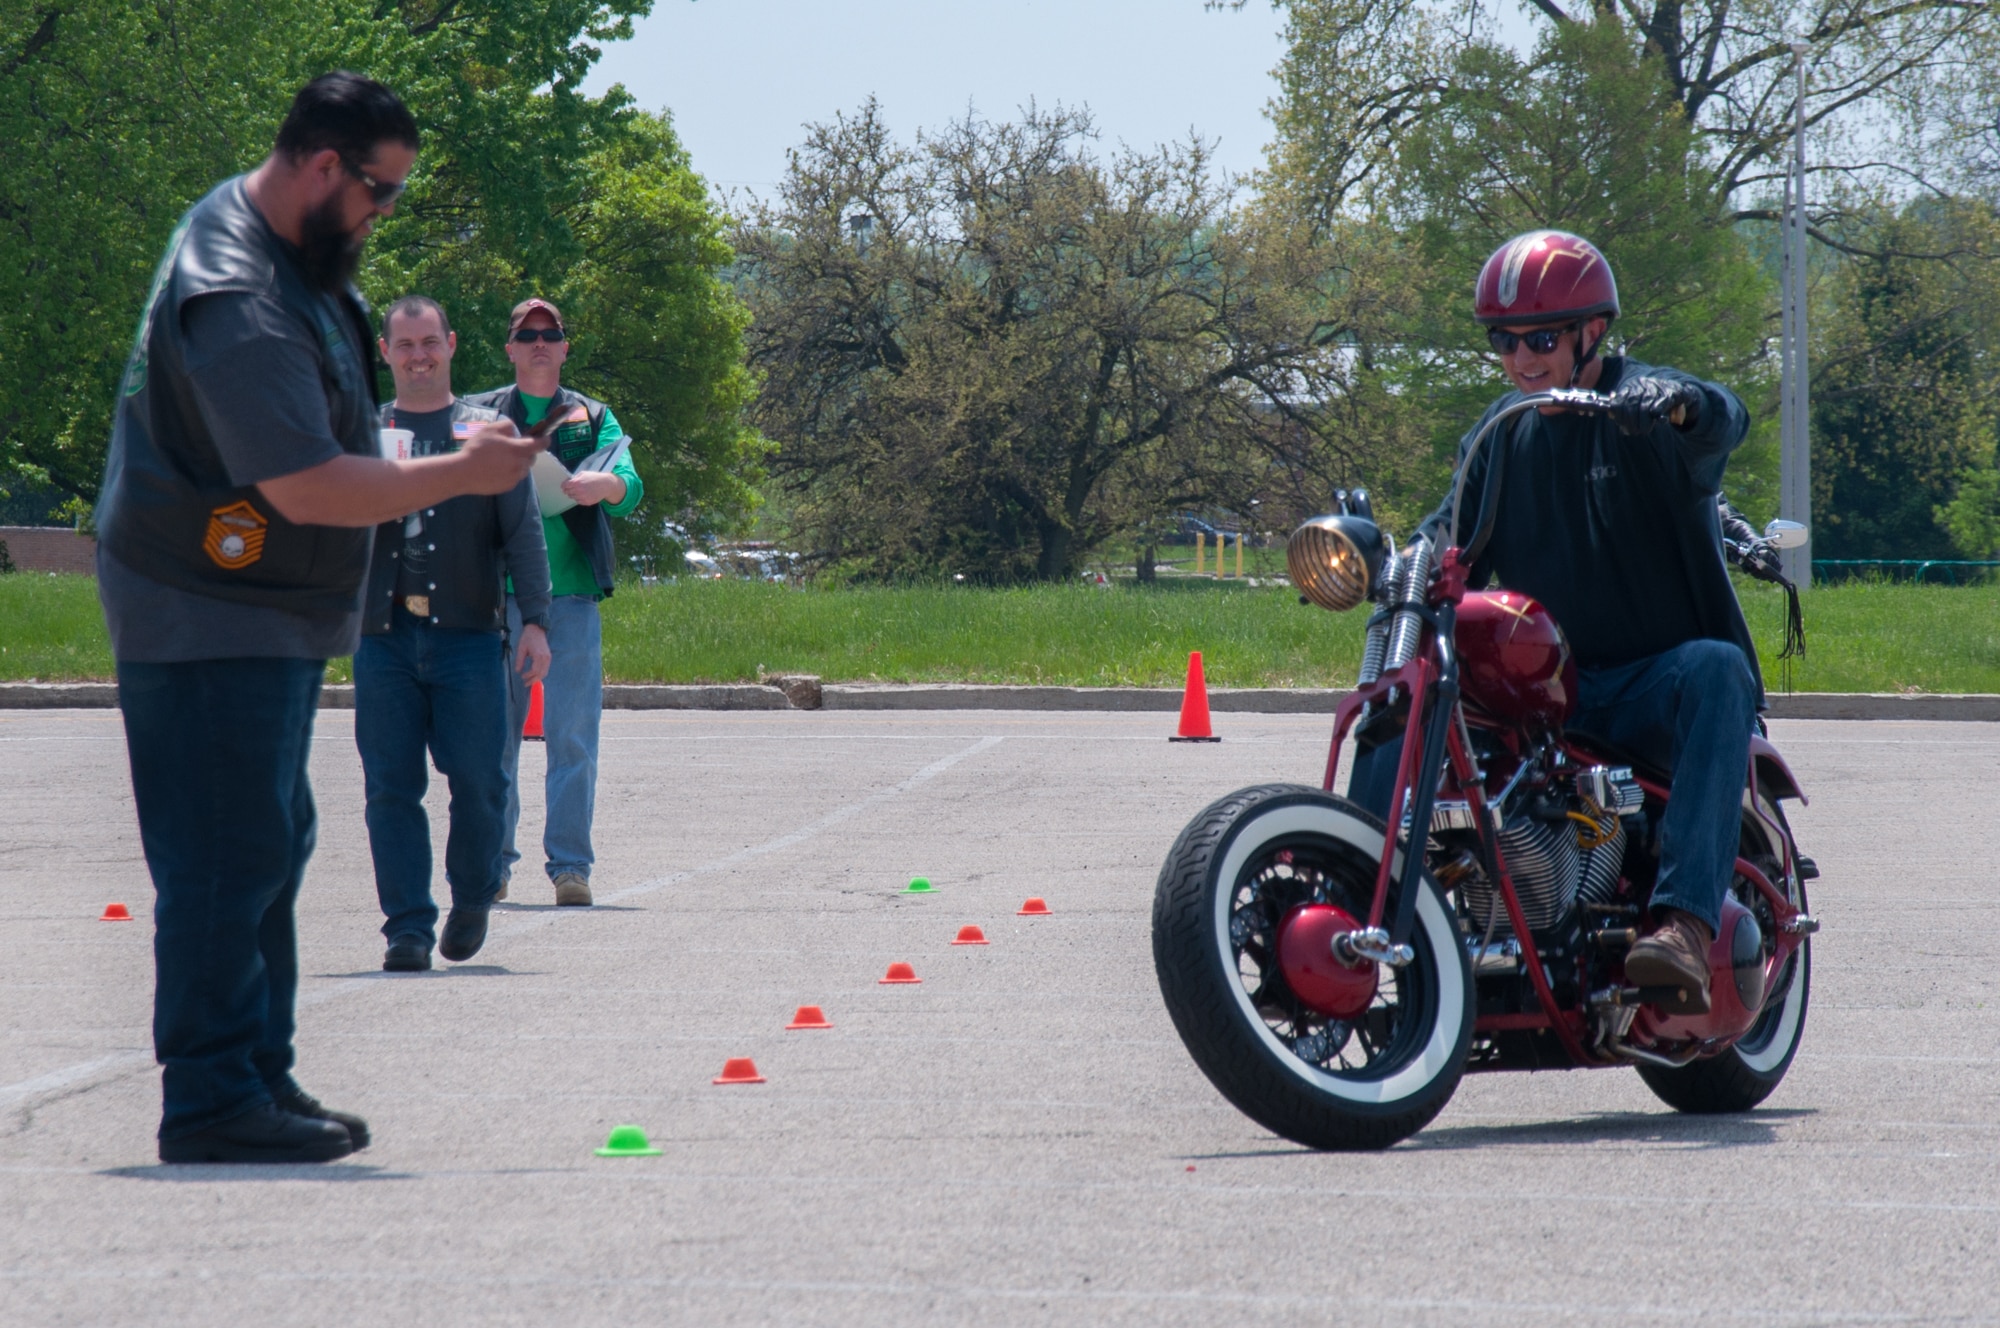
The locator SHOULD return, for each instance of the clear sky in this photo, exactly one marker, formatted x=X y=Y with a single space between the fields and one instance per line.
x=742 y=76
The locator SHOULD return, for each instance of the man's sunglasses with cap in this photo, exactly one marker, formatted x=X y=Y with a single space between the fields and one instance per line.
x=529 y=335
x=1541 y=341
x=382 y=194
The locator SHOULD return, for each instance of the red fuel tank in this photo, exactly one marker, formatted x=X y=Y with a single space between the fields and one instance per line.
x=1513 y=661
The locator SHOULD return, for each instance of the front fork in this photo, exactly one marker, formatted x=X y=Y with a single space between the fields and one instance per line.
x=1430 y=738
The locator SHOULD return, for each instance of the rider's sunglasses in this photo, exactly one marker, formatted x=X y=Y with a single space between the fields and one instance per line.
x=382 y=194
x=528 y=336
x=1541 y=341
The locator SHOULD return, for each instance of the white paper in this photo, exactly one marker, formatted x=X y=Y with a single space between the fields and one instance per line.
x=549 y=479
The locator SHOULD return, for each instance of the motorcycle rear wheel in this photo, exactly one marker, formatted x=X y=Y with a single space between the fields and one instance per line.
x=1751 y=1068
x=1363 y=1083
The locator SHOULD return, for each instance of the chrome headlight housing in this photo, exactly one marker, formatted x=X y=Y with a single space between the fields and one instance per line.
x=1335 y=560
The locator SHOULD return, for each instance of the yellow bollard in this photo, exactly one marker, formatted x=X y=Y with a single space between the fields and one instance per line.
x=1200 y=546
x=1239 y=555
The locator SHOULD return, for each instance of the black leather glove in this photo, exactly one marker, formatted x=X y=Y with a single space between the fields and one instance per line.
x=1637 y=406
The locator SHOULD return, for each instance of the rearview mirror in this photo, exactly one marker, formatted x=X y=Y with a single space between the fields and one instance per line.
x=1786 y=534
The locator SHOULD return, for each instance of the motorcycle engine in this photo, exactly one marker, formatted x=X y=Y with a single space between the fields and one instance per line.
x=1564 y=844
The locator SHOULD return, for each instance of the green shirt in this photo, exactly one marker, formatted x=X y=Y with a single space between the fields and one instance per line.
x=569 y=569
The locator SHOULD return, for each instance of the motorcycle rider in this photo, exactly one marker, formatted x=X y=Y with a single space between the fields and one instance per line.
x=1612 y=524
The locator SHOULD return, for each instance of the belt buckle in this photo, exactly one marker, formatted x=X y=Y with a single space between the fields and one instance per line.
x=418 y=604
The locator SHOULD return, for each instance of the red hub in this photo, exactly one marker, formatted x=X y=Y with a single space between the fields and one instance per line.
x=1319 y=979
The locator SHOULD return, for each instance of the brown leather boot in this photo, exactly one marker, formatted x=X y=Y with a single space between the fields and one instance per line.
x=1675 y=955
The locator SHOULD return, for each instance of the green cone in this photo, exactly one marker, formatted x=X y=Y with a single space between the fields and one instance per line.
x=627 y=1141
x=919 y=885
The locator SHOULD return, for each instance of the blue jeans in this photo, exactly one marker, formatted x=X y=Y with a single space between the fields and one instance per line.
x=572 y=708
x=417 y=688
x=218 y=750
x=1689 y=711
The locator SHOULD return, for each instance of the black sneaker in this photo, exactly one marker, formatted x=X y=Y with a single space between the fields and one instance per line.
x=407 y=954
x=301 y=1103
x=464 y=933
x=262 y=1134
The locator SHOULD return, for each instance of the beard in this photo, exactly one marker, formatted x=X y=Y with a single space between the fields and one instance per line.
x=331 y=254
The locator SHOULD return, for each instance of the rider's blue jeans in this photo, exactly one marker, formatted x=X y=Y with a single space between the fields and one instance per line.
x=1691 y=711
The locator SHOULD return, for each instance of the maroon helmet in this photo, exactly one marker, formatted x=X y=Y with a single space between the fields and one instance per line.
x=1544 y=277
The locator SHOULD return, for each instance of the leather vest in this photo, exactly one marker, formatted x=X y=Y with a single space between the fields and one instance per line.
x=589 y=526
x=168 y=510
x=467 y=569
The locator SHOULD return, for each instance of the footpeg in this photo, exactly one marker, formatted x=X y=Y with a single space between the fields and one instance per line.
x=1628 y=997
x=1371 y=945
x=1802 y=924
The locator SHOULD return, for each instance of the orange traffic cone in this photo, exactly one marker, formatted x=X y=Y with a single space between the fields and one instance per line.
x=116 y=913
x=1035 y=907
x=532 y=730
x=970 y=935
x=899 y=972
x=810 y=1016
x=1194 y=706
x=738 y=1070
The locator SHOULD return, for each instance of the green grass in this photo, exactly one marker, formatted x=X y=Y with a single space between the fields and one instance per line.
x=1124 y=636
x=1863 y=638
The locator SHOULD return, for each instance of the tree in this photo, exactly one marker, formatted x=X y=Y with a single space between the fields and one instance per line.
x=1894 y=91
x=1904 y=392
x=121 y=115
x=991 y=351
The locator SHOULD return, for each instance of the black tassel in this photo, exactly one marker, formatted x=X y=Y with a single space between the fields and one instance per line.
x=1795 y=624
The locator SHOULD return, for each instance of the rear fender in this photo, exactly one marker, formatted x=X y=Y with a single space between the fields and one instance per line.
x=1768 y=768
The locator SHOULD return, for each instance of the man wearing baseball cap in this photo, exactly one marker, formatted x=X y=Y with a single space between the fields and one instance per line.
x=580 y=574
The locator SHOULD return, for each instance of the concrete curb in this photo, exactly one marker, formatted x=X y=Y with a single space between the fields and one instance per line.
x=801 y=692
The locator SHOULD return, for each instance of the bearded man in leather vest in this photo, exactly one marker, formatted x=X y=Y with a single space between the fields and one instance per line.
x=580 y=575
x=243 y=480
x=1611 y=523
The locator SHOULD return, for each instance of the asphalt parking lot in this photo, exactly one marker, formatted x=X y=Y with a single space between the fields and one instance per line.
x=1017 y=1139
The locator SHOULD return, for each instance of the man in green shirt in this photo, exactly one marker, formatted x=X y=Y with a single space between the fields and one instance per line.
x=580 y=572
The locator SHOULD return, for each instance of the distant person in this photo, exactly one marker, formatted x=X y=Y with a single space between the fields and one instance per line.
x=431 y=673
x=580 y=574
x=244 y=476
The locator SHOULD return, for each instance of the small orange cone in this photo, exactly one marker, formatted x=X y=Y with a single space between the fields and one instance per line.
x=970 y=935
x=1036 y=907
x=738 y=1070
x=898 y=972
x=809 y=1016
x=532 y=730
x=116 y=913
x=1194 y=706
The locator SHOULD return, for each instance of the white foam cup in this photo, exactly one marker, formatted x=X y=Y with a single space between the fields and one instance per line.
x=398 y=444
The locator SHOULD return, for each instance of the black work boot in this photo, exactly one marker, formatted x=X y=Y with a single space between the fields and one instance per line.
x=1676 y=956
x=464 y=933
x=301 y=1103
x=407 y=954
x=262 y=1134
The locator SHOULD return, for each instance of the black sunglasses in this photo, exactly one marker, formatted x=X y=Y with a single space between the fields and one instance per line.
x=1541 y=341
x=528 y=336
x=382 y=194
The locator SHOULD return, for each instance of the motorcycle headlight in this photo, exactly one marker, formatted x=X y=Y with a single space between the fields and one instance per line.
x=1334 y=560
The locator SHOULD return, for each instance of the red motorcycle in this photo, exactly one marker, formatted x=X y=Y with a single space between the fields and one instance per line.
x=1335 y=985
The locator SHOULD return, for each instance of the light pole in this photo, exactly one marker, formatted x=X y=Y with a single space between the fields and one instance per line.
x=1795 y=440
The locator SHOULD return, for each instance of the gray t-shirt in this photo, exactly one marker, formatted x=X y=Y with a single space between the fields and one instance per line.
x=258 y=383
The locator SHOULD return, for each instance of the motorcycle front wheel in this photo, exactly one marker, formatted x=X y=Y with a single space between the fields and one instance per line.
x=1237 y=871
